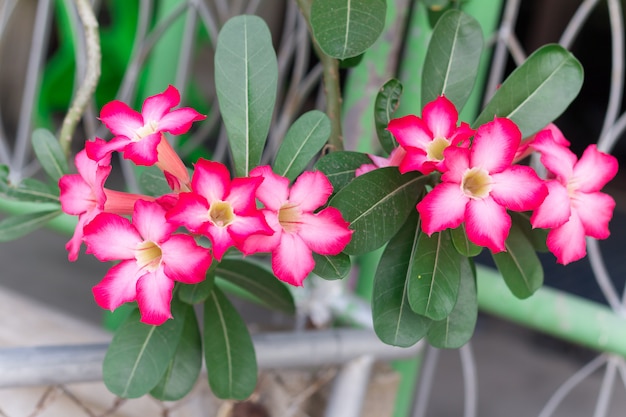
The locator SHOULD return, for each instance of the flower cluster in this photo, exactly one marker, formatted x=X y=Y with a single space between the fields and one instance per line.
x=210 y=204
x=479 y=180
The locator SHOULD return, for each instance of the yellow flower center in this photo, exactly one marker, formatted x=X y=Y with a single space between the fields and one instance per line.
x=289 y=217
x=148 y=255
x=145 y=130
x=476 y=183
x=221 y=213
x=434 y=151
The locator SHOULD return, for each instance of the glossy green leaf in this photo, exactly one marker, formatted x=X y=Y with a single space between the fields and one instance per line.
x=49 y=153
x=183 y=370
x=346 y=28
x=31 y=190
x=152 y=182
x=386 y=104
x=435 y=275
x=538 y=91
x=258 y=281
x=376 y=204
x=395 y=322
x=519 y=265
x=457 y=329
x=14 y=227
x=462 y=243
x=331 y=267
x=537 y=237
x=304 y=139
x=228 y=350
x=339 y=167
x=139 y=354
x=452 y=58
x=197 y=293
x=246 y=74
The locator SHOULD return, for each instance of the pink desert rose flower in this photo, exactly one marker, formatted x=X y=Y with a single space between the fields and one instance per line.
x=526 y=149
x=298 y=229
x=574 y=207
x=394 y=160
x=152 y=258
x=223 y=210
x=426 y=138
x=480 y=184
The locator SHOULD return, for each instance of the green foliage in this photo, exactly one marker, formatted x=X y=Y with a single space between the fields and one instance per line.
x=14 y=227
x=153 y=182
x=387 y=102
x=331 y=267
x=197 y=293
x=339 y=167
x=462 y=243
x=29 y=190
x=49 y=154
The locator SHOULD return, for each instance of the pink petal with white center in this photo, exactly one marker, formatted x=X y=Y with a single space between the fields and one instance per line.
x=292 y=260
x=487 y=224
x=410 y=131
x=567 y=242
x=595 y=211
x=244 y=226
x=154 y=297
x=518 y=188
x=73 y=245
x=310 y=191
x=76 y=196
x=557 y=159
x=149 y=220
x=183 y=260
x=111 y=237
x=158 y=105
x=442 y=208
x=144 y=152
x=325 y=232
x=120 y=119
x=242 y=196
x=457 y=162
x=179 y=121
x=257 y=243
x=93 y=172
x=440 y=116
x=495 y=144
x=191 y=211
x=211 y=180
x=100 y=150
x=414 y=160
x=274 y=190
x=220 y=239
x=557 y=135
x=594 y=169
x=461 y=136
x=118 y=286
x=555 y=209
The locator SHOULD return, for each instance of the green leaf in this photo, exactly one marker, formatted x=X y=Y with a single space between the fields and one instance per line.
x=376 y=204
x=435 y=275
x=346 y=28
x=14 y=227
x=538 y=91
x=246 y=74
x=228 y=349
x=139 y=354
x=339 y=167
x=259 y=282
x=452 y=58
x=462 y=243
x=304 y=139
x=395 y=323
x=436 y=4
x=152 y=181
x=49 y=153
x=457 y=329
x=537 y=237
x=31 y=190
x=386 y=104
x=331 y=267
x=197 y=293
x=519 y=265
x=183 y=370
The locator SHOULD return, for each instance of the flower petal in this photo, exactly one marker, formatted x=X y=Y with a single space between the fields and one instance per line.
x=149 y=220
x=595 y=211
x=487 y=224
x=557 y=159
x=118 y=286
x=120 y=119
x=440 y=116
x=567 y=242
x=274 y=190
x=220 y=239
x=456 y=161
x=73 y=245
x=144 y=152
x=414 y=160
x=211 y=180
x=191 y=211
x=244 y=226
x=183 y=260
x=310 y=191
x=179 y=121
x=158 y=105
x=555 y=209
x=495 y=144
x=264 y=243
x=593 y=170
x=154 y=297
x=325 y=232
x=442 y=208
x=111 y=237
x=518 y=188
x=292 y=260
x=100 y=150
x=76 y=196
x=242 y=196
x=410 y=131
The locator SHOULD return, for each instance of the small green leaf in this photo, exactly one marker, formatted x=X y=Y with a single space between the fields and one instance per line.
x=183 y=370
x=386 y=104
x=304 y=139
x=452 y=58
x=14 y=227
x=376 y=204
x=519 y=265
x=331 y=267
x=49 y=153
x=197 y=293
x=457 y=329
x=395 y=323
x=435 y=274
x=246 y=76
x=346 y=28
x=436 y=5
x=339 y=167
x=228 y=349
x=538 y=91
x=153 y=182
x=259 y=282
x=462 y=243
x=31 y=190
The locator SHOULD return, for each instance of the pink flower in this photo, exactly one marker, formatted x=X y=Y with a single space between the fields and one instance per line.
x=480 y=184
x=426 y=138
x=525 y=148
x=152 y=258
x=298 y=230
x=575 y=207
x=223 y=210
x=394 y=160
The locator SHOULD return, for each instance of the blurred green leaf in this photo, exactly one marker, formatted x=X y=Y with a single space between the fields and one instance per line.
x=246 y=74
x=537 y=237
x=228 y=349
x=346 y=28
x=538 y=91
x=462 y=243
x=31 y=190
x=197 y=293
x=452 y=58
x=304 y=139
x=49 y=153
x=153 y=182
x=339 y=167
x=387 y=102
x=436 y=4
x=331 y=267
x=14 y=227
